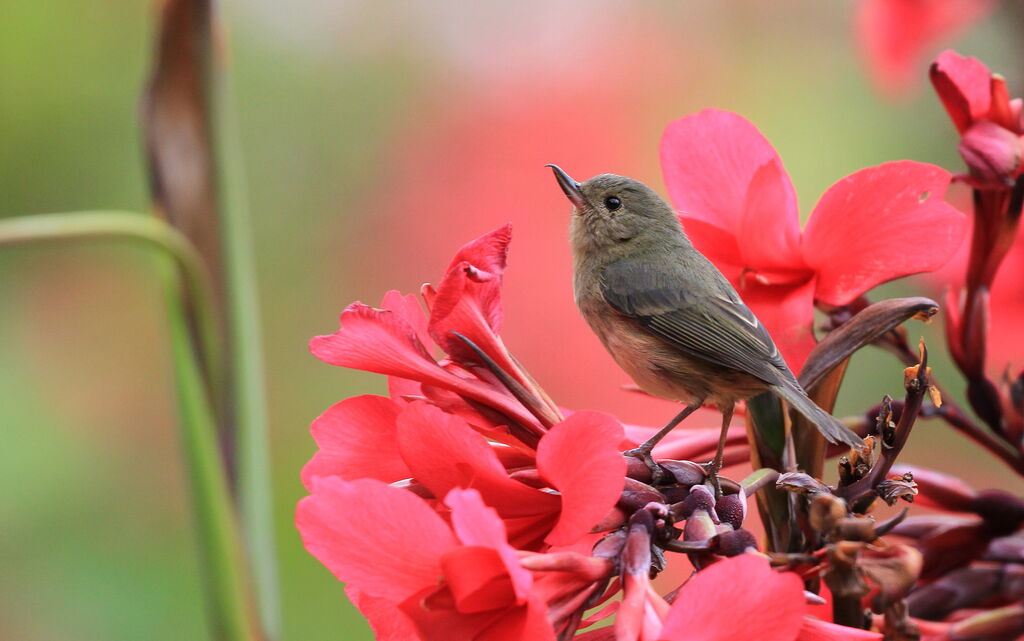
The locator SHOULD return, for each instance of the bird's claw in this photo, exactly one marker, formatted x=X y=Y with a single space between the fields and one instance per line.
x=644 y=454
x=711 y=469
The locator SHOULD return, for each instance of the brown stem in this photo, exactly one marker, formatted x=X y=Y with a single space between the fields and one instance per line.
x=959 y=419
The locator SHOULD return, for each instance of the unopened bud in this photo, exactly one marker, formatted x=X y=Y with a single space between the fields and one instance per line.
x=992 y=153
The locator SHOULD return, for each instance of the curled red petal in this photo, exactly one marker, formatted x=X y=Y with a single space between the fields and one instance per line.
x=991 y=152
x=709 y=159
x=383 y=342
x=581 y=458
x=444 y=453
x=468 y=300
x=381 y=540
x=356 y=438
x=964 y=87
x=878 y=224
x=478 y=525
x=745 y=591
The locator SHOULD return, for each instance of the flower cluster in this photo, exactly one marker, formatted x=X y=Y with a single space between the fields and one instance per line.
x=468 y=504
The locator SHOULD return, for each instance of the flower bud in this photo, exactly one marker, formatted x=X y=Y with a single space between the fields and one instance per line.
x=992 y=153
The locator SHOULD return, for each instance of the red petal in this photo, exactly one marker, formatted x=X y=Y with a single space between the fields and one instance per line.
x=787 y=311
x=815 y=630
x=581 y=458
x=381 y=341
x=896 y=35
x=732 y=598
x=718 y=245
x=768 y=238
x=376 y=340
x=991 y=152
x=468 y=300
x=479 y=525
x=387 y=621
x=878 y=224
x=381 y=540
x=709 y=161
x=521 y=624
x=444 y=453
x=408 y=308
x=356 y=438
x=964 y=87
x=478 y=579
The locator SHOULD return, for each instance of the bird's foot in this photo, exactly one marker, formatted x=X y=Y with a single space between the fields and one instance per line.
x=712 y=468
x=644 y=454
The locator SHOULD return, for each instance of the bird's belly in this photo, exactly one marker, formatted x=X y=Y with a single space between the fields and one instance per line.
x=664 y=371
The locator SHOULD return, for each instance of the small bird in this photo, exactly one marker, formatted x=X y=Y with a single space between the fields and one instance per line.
x=668 y=317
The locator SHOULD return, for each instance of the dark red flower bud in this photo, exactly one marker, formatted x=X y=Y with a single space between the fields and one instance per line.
x=736 y=542
x=699 y=498
x=732 y=509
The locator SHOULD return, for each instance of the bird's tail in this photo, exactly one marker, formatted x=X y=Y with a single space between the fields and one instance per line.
x=827 y=424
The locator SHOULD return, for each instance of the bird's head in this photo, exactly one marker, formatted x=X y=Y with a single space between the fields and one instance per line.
x=618 y=216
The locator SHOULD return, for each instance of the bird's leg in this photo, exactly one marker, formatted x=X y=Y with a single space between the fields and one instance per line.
x=643 y=452
x=714 y=466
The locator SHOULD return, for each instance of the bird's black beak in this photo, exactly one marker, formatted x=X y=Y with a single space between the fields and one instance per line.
x=570 y=187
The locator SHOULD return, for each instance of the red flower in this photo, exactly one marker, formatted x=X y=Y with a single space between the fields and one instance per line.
x=739 y=208
x=409 y=570
x=895 y=36
x=743 y=599
x=579 y=458
x=988 y=121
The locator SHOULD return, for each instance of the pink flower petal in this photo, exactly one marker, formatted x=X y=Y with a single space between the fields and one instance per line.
x=815 y=630
x=408 y=308
x=444 y=453
x=477 y=524
x=376 y=340
x=383 y=541
x=387 y=621
x=964 y=87
x=769 y=241
x=737 y=599
x=896 y=35
x=718 y=245
x=878 y=224
x=787 y=311
x=709 y=160
x=381 y=341
x=356 y=438
x=468 y=300
x=581 y=458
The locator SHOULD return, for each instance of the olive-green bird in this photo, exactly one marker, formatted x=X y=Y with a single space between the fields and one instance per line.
x=668 y=317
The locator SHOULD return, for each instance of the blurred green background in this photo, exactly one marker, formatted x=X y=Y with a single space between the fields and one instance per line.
x=378 y=137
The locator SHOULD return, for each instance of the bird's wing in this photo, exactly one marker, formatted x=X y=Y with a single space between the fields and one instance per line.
x=714 y=326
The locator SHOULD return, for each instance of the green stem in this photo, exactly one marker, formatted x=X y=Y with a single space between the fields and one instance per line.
x=219 y=543
x=245 y=353
x=221 y=559
x=121 y=225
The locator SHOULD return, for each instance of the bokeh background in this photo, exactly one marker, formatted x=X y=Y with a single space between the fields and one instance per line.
x=378 y=137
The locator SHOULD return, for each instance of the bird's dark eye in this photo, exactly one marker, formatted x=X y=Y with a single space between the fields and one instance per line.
x=612 y=203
